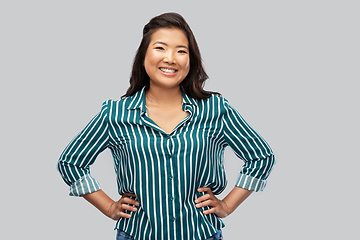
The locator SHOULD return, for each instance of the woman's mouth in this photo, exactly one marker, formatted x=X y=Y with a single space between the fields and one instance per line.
x=168 y=71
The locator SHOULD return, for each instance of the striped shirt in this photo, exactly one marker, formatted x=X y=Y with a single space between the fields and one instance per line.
x=165 y=170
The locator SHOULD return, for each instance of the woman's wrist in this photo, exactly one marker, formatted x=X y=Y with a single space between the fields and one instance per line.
x=110 y=210
x=235 y=198
x=101 y=201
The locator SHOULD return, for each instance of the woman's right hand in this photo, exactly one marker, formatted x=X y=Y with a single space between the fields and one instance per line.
x=117 y=209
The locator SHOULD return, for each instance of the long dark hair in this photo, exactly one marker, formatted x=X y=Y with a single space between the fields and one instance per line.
x=194 y=82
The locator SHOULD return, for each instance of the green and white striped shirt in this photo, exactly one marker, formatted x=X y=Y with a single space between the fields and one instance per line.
x=165 y=170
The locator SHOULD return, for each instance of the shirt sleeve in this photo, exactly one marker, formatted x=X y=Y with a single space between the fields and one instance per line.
x=74 y=163
x=250 y=147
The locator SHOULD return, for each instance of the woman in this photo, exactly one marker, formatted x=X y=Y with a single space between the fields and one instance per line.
x=167 y=136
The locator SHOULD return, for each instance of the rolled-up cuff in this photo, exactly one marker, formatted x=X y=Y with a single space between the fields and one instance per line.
x=86 y=184
x=250 y=183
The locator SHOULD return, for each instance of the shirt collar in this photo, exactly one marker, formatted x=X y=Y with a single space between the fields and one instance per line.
x=188 y=100
x=138 y=100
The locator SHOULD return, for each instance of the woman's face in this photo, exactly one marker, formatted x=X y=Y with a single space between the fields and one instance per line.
x=167 y=60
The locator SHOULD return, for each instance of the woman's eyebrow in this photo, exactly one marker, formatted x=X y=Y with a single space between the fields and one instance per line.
x=179 y=46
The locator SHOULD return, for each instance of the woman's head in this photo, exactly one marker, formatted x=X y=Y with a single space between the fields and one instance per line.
x=167 y=59
x=193 y=82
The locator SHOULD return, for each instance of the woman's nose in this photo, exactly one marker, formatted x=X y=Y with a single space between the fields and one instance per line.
x=169 y=58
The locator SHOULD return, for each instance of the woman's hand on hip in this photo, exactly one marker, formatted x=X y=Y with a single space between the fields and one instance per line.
x=117 y=209
x=218 y=207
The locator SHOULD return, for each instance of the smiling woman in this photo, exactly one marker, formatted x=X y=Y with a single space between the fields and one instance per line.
x=167 y=136
x=196 y=77
x=167 y=60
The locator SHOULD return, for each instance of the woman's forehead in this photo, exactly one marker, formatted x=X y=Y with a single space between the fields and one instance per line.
x=168 y=36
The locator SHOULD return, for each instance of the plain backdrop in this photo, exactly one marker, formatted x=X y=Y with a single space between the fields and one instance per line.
x=291 y=68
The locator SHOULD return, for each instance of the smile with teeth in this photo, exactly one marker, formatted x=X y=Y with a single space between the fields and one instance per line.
x=167 y=70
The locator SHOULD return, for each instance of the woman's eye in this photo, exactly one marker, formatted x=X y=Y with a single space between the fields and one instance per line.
x=160 y=48
x=182 y=51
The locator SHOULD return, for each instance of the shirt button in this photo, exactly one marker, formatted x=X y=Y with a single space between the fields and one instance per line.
x=171 y=177
x=171 y=198
x=173 y=219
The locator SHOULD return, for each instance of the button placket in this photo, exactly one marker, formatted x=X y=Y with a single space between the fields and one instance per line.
x=171 y=173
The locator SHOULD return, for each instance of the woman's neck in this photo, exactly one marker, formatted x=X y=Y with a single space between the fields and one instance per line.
x=158 y=96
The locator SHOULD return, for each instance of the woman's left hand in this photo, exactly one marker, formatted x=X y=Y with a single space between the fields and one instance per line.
x=219 y=207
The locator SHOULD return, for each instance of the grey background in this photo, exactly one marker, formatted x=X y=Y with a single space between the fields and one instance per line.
x=291 y=68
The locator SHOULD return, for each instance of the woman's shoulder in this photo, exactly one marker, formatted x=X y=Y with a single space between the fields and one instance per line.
x=211 y=105
x=121 y=102
x=214 y=99
x=117 y=109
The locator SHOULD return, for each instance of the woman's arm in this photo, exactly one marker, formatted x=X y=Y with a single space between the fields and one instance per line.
x=250 y=147
x=222 y=208
x=112 y=209
x=76 y=159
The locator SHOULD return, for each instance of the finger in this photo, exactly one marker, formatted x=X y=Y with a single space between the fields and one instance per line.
x=124 y=215
x=204 y=204
x=131 y=201
x=129 y=195
x=204 y=189
x=128 y=207
x=209 y=211
x=202 y=198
